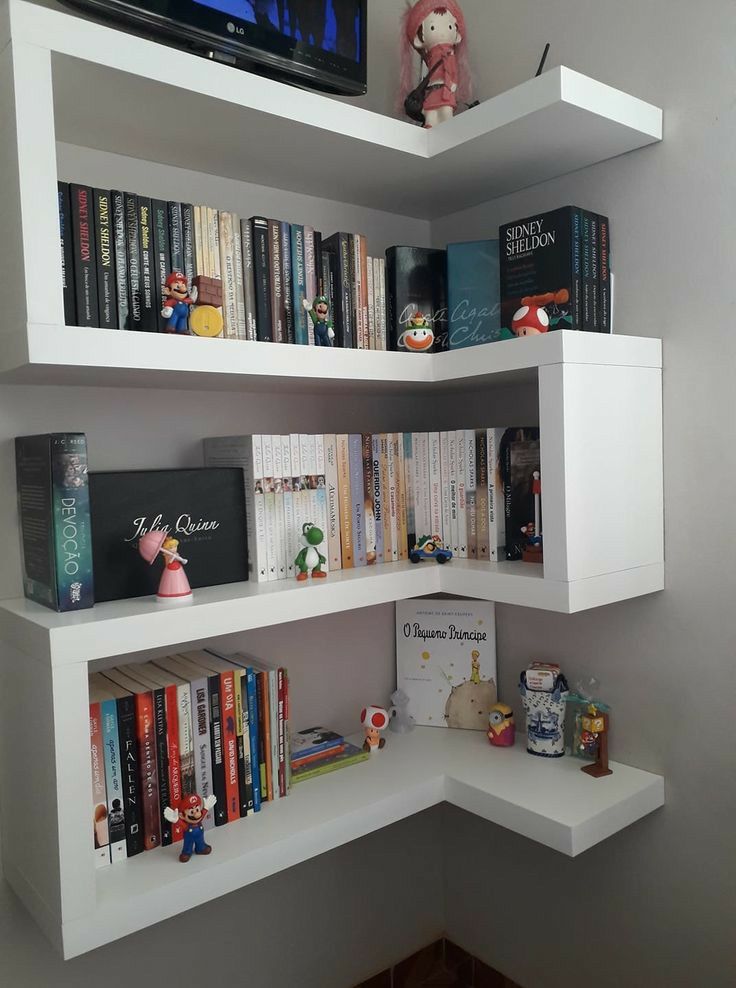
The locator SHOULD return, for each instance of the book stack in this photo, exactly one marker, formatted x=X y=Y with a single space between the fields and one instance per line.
x=118 y=248
x=374 y=495
x=317 y=751
x=195 y=723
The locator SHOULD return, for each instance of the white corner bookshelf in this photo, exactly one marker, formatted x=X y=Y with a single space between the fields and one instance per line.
x=599 y=402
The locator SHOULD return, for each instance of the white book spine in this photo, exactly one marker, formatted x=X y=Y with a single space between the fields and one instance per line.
x=279 y=508
x=425 y=482
x=384 y=322
x=99 y=791
x=445 y=490
x=393 y=503
x=435 y=484
x=246 y=453
x=495 y=501
x=470 y=500
x=411 y=521
x=186 y=739
x=371 y=308
x=321 y=495
x=297 y=488
x=462 y=518
x=290 y=537
x=377 y=300
x=452 y=460
x=270 y=500
x=420 y=523
x=202 y=755
x=333 y=502
x=239 y=282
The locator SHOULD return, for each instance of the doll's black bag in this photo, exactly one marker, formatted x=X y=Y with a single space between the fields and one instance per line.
x=414 y=102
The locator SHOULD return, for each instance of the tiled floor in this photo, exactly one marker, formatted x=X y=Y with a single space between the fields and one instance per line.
x=440 y=965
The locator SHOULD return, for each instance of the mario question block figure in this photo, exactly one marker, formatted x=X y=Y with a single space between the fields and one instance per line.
x=192 y=812
x=374 y=721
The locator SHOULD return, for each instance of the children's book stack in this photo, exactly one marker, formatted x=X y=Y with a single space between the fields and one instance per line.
x=317 y=751
x=374 y=495
x=195 y=723
x=118 y=248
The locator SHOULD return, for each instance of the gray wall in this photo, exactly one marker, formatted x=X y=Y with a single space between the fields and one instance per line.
x=667 y=886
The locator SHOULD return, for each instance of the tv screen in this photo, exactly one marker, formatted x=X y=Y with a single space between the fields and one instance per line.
x=321 y=43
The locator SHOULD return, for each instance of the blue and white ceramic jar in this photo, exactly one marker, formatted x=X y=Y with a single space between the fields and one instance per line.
x=545 y=717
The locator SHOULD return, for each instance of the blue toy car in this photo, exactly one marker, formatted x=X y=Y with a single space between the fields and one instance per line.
x=430 y=547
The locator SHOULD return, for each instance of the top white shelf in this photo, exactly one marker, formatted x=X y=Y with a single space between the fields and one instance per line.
x=254 y=129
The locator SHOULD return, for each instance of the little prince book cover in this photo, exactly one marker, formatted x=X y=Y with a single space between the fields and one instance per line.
x=446 y=661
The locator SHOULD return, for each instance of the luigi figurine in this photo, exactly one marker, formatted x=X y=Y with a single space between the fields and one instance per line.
x=310 y=559
x=319 y=313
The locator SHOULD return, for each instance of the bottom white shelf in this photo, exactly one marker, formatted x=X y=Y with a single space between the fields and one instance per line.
x=549 y=801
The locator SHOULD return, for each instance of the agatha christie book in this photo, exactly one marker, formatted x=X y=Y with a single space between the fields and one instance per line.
x=54 y=508
x=446 y=661
x=473 y=294
x=416 y=282
x=540 y=265
x=518 y=457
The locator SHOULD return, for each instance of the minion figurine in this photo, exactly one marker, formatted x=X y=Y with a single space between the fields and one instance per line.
x=501 y=729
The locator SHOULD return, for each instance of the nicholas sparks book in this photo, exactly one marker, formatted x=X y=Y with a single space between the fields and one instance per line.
x=446 y=661
x=541 y=265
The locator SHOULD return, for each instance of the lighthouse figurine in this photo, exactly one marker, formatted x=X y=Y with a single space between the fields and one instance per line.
x=173 y=589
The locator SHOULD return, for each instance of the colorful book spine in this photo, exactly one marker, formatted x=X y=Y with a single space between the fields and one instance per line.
x=390 y=550
x=264 y=735
x=67 y=254
x=470 y=494
x=481 y=495
x=99 y=795
x=310 y=274
x=162 y=762
x=230 y=745
x=393 y=496
x=161 y=254
x=107 y=302
x=121 y=259
x=377 y=495
x=174 y=756
x=332 y=486
x=346 y=500
x=357 y=504
x=113 y=780
x=411 y=525
x=130 y=765
x=369 y=516
x=495 y=504
x=252 y=694
x=240 y=715
x=299 y=286
x=462 y=514
x=217 y=749
x=454 y=541
x=262 y=279
x=283 y=729
x=85 y=267
x=249 y=283
x=146 y=733
x=445 y=488
x=435 y=485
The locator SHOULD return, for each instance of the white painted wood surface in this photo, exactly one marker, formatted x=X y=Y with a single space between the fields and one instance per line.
x=551 y=802
x=252 y=128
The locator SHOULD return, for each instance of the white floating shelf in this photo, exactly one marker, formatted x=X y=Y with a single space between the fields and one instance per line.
x=103 y=357
x=549 y=801
x=253 y=129
x=120 y=627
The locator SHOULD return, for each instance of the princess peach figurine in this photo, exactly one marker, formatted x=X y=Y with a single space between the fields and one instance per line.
x=174 y=586
x=436 y=30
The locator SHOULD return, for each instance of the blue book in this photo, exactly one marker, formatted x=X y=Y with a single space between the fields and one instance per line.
x=299 y=285
x=113 y=780
x=474 y=294
x=312 y=741
x=250 y=678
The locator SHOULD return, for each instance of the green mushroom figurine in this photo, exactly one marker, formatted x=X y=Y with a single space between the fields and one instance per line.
x=310 y=559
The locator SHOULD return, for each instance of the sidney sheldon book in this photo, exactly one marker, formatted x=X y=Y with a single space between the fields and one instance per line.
x=540 y=265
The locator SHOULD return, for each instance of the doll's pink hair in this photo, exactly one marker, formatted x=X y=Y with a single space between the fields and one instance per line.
x=412 y=19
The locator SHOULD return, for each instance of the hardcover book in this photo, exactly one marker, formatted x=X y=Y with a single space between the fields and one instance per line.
x=203 y=509
x=446 y=661
x=85 y=267
x=473 y=294
x=67 y=255
x=350 y=755
x=121 y=259
x=107 y=305
x=540 y=258
x=518 y=457
x=313 y=740
x=54 y=509
x=262 y=279
x=416 y=282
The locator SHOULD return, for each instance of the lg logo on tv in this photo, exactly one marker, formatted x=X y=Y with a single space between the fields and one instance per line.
x=234 y=29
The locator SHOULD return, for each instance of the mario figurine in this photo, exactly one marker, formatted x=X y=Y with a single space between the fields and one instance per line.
x=177 y=303
x=192 y=811
x=319 y=313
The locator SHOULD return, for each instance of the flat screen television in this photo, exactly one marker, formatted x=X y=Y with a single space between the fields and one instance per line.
x=319 y=43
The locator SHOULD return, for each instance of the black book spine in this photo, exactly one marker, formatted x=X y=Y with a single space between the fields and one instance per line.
x=595 y=279
x=246 y=782
x=249 y=285
x=162 y=760
x=605 y=275
x=321 y=289
x=576 y=267
x=262 y=278
x=121 y=259
x=149 y=315
x=353 y=287
x=278 y=308
x=242 y=783
x=85 y=268
x=130 y=766
x=105 y=256
x=176 y=235
x=288 y=287
x=588 y=275
x=161 y=255
x=188 y=246
x=67 y=254
x=336 y=249
x=133 y=253
x=394 y=330
x=218 y=763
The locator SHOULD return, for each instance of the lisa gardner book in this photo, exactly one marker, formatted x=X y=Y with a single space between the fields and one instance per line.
x=446 y=661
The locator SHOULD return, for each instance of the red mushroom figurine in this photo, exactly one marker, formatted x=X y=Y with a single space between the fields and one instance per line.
x=530 y=320
x=374 y=720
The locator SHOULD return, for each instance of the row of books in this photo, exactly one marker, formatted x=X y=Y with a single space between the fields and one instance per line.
x=317 y=751
x=118 y=249
x=196 y=723
x=375 y=495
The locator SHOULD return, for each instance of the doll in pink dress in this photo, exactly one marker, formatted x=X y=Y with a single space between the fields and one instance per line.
x=174 y=586
x=436 y=30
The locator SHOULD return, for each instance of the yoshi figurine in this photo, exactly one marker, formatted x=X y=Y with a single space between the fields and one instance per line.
x=310 y=559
